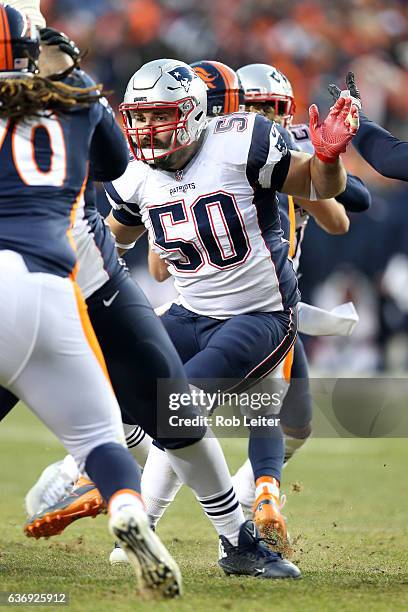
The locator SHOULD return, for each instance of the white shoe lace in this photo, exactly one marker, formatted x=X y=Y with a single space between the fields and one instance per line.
x=57 y=489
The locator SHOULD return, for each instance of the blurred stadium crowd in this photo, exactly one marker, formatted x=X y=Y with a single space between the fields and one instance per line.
x=314 y=42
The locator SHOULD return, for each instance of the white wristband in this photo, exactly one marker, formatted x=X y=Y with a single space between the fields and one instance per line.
x=125 y=247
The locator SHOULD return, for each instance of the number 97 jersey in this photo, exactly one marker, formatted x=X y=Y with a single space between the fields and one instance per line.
x=216 y=221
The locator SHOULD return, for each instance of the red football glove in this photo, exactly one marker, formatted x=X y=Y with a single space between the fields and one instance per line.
x=331 y=137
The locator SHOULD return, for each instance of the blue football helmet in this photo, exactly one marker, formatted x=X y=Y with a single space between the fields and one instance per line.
x=19 y=44
x=224 y=91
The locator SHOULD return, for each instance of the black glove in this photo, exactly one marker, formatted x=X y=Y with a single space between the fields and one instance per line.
x=50 y=37
x=351 y=86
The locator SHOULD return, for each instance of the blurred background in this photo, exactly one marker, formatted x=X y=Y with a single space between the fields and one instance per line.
x=314 y=42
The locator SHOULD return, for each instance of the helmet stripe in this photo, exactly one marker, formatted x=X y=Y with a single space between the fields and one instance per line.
x=6 y=53
x=229 y=93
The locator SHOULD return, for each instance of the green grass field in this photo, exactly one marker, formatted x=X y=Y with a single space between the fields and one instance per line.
x=349 y=520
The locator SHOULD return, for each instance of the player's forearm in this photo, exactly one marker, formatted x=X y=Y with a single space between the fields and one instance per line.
x=108 y=137
x=158 y=267
x=327 y=179
x=125 y=236
x=383 y=151
x=356 y=197
x=328 y=214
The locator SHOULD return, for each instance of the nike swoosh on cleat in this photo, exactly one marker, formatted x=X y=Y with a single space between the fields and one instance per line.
x=260 y=571
x=107 y=303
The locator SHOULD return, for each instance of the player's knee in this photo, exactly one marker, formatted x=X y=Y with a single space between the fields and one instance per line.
x=83 y=444
x=182 y=442
x=299 y=433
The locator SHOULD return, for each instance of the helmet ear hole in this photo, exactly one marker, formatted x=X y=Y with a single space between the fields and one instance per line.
x=198 y=116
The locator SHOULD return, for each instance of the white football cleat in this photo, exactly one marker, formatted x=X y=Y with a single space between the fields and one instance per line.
x=55 y=482
x=154 y=567
x=118 y=556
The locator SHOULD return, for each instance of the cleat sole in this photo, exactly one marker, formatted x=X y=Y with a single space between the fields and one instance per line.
x=154 y=567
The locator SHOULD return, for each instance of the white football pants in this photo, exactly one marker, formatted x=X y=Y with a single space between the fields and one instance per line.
x=50 y=358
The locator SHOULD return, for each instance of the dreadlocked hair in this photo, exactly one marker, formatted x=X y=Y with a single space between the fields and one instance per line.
x=22 y=98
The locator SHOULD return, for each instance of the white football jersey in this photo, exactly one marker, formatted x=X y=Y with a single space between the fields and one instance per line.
x=216 y=221
x=301 y=136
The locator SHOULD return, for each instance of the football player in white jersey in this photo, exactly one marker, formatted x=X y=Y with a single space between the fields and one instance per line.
x=205 y=194
x=269 y=92
x=225 y=94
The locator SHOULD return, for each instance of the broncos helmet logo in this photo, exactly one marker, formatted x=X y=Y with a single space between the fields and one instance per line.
x=183 y=75
x=207 y=77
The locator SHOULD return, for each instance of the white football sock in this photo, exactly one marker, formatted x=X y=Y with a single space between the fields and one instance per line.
x=138 y=442
x=160 y=484
x=267 y=485
x=203 y=468
x=244 y=484
x=124 y=498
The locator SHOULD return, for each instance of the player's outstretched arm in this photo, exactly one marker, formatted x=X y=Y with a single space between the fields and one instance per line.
x=384 y=152
x=356 y=197
x=328 y=214
x=323 y=175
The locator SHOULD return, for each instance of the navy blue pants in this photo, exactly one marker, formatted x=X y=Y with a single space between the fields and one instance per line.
x=296 y=411
x=137 y=352
x=233 y=355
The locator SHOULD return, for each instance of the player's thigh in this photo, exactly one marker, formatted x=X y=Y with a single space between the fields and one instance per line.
x=244 y=346
x=19 y=312
x=181 y=325
x=137 y=349
x=296 y=412
x=64 y=380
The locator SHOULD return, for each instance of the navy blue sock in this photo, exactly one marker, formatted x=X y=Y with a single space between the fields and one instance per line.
x=266 y=451
x=111 y=467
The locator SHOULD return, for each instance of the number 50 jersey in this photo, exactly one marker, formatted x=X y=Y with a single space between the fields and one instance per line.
x=216 y=222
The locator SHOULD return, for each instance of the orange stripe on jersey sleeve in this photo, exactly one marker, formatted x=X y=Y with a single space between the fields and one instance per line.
x=292 y=226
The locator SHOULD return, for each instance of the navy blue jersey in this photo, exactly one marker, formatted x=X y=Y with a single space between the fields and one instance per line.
x=96 y=251
x=383 y=151
x=43 y=172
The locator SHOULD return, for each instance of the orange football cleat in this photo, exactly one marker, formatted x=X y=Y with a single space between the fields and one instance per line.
x=84 y=500
x=269 y=520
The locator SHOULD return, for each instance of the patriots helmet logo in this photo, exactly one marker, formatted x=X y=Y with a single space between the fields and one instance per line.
x=183 y=75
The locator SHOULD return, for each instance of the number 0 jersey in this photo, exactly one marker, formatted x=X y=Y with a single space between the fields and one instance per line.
x=216 y=221
x=43 y=167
